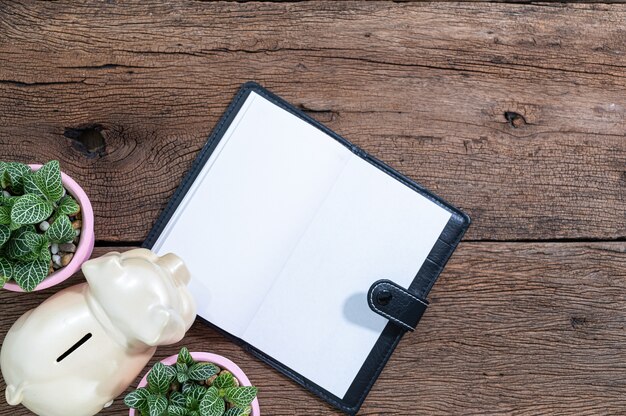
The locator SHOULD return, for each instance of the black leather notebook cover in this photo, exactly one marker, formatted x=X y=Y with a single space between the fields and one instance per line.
x=402 y=307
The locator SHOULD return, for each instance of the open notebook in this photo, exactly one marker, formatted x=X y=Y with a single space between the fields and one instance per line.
x=286 y=227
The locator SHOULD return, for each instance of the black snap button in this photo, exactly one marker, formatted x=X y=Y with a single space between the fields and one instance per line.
x=384 y=297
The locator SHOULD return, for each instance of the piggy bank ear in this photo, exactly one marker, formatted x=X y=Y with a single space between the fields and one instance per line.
x=164 y=326
x=102 y=269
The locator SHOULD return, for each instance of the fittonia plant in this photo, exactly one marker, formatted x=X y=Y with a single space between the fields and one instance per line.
x=34 y=214
x=191 y=388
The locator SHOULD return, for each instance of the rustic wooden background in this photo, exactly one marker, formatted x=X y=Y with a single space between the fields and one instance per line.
x=513 y=112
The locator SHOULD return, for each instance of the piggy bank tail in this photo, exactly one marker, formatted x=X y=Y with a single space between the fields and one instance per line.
x=14 y=395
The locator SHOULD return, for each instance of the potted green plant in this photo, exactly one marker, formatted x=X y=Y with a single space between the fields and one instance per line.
x=194 y=384
x=46 y=226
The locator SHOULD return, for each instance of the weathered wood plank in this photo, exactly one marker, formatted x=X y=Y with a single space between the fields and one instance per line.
x=425 y=87
x=513 y=328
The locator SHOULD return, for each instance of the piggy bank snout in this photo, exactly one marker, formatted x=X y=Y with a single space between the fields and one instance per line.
x=175 y=265
x=14 y=395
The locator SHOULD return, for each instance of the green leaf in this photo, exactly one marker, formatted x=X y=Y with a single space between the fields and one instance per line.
x=236 y=411
x=48 y=178
x=9 y=201
x=184 y=357
x=61 y=230
x=224 y=381
x=157 y=405
x=29 y=274
x=5 y=233
x=160 y=378
x=194 y=391
x=240 y=396
x=37 y=246
x=67 y=206
x=30 y=209
x=24 y=244
x=212 y=404
x=181 y=372
x=3 y=177
x=5 y=215
x=6 y=271
x=191 y=403
x=32 y=185
x=173 y=410
x=44 y=253
x=137 y=399
x=15 y=173
x=202 y=371
x=177 y=399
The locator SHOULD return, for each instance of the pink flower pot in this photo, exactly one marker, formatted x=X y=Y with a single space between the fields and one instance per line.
x=221 y=362
x=85 y=245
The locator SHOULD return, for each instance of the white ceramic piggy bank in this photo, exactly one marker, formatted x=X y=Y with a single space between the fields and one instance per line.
x=81 y=348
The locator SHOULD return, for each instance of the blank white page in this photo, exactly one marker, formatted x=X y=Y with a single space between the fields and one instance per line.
x=285 y=230
x=316 y=319
x=238 y=223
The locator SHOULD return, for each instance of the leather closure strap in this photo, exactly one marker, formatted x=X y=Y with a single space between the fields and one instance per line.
x=396 y=304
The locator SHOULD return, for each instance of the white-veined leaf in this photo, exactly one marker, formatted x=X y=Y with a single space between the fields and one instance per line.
x=194 y=391
x=225 y=380
x=15 y=173
x=137 y=399
x=5 y=215
x=202 y=371
x=5 y=233
x=236 y=411
x=184 y=357
x=32 y=186
x=6 y=270
x=29 y=274
x=49 y=180
x=157 y=405
x=240 y=396
x=3 y=179
x=67 y=206
x=177 y=399
x=212 y=404
x=23 y=243
x=173 y=410
x=160 y=378
x=61 y=230
x=30 y=209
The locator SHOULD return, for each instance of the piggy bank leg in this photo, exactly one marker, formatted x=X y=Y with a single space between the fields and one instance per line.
x=14 y=395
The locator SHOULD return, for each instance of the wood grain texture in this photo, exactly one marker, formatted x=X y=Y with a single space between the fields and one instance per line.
x=513 y=329
x=515 y=113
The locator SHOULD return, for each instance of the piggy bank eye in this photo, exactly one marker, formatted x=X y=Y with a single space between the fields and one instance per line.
x=74 y=347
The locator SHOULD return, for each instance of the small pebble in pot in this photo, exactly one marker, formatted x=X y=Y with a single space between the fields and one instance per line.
x=44 y=226
x=56 y=259
x=54 y=248
x=66 y=259
x=77 y=232
x=210 y=380
x=67 y=247
x=77 y=224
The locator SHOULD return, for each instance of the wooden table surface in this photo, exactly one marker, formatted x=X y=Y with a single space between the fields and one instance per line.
x=513 y=112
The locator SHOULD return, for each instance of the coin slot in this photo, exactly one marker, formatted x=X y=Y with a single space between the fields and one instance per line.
x=74 y=347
